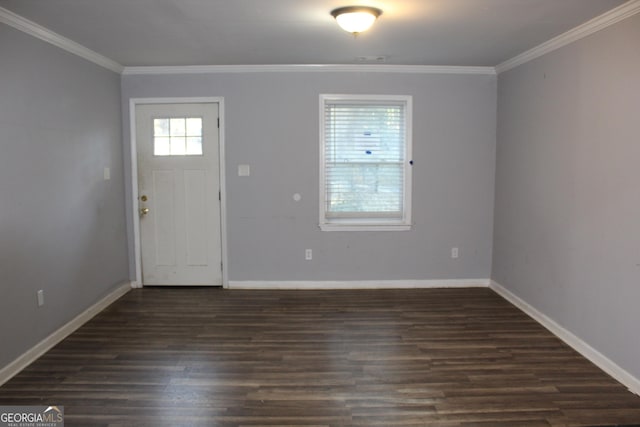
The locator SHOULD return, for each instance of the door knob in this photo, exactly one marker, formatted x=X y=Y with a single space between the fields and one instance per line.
x=144 y=211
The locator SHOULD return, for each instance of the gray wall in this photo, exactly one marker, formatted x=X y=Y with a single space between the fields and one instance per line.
x=62 y=227
x=567 y=213
x=272 y=125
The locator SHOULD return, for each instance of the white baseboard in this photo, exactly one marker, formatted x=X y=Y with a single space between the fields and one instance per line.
x=357 y=284
x=49 y=342
x=597 y=358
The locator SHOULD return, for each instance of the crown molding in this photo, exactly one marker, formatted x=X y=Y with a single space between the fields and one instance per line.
x=598 y=23
x=42 y=33
x=317 y=68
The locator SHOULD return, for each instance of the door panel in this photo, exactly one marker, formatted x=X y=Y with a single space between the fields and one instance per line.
x=195 y=208
x=178 y=186
x=163 y=233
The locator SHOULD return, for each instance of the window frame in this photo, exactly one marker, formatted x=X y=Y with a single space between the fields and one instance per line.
x=368 y=223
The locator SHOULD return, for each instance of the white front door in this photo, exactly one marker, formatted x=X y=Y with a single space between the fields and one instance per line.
x=178 y=194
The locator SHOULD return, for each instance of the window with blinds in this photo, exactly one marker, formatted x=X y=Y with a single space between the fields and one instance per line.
x=365 y=162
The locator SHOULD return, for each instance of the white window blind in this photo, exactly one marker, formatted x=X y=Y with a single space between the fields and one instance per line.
x=365 y=151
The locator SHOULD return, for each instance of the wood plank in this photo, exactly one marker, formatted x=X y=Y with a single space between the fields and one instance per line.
x=212 y=357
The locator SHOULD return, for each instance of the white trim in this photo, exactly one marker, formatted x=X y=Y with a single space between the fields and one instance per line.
x=42 y=33
x=223 y=193
x=600 y=360
x=137 y=251
x=287 y=68
x=364 y=227
x=357 y=284
x=64 y=331
x=598 y=23
x=133 y=102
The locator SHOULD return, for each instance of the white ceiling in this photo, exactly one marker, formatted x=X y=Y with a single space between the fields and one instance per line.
x=239 y=32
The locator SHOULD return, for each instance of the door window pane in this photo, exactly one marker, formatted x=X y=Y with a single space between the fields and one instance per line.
x=161 y=127
x=178 y=146
x=194 y=126
x=161 y=146
x=194 y=145
x=177 y=127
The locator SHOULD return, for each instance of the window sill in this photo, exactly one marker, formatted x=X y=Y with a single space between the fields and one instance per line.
x=350 y=226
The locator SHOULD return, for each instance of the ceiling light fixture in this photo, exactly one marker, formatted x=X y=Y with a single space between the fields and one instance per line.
x=356 y=19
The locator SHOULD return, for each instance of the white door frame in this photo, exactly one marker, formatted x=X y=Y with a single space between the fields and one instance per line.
x=133 y=102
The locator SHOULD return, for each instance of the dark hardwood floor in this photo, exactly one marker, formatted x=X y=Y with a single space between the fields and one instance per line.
x=208 y=357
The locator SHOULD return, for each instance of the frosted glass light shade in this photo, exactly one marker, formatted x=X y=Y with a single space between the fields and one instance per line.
x=356 y=19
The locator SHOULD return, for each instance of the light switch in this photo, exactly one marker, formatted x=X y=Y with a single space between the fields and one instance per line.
x=107 y=174
x=244 y=170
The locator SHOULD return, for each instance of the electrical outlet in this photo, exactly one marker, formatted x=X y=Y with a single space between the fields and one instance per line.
x=40 y=298
x=454 y=253
x=308 y=254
